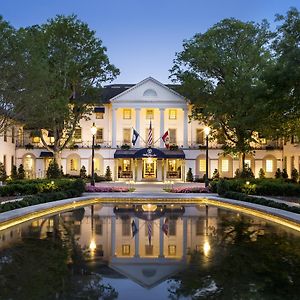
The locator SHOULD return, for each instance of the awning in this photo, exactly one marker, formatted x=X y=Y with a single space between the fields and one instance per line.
x=149 y=152
x=46 y=154
x=100 y=109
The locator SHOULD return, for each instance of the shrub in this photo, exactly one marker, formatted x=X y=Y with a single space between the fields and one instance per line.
x=216 y=174
x=278 y=174
x=14 y=173
x=294 y=175
x=285 y=174
x=53 y=171
x=189 y=175
x=99 y=178
x=108 y=174
x=125 y=147
x=82 y=172
x=173 y=147
x=261 y=173
x=21 y=172
x=3 y=174
x=222 y=187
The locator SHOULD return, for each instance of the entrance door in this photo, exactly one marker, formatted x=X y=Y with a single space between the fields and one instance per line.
x=149 y=168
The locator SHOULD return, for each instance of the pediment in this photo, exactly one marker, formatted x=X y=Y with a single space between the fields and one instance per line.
x=149 y=91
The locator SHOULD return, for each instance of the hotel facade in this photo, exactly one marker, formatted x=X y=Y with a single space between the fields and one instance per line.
x=135 y=106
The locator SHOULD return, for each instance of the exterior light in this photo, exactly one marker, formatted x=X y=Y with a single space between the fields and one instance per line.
x=206 y=248
x=206 y=131
x=247 y=182
x=93 y=245
x=93 y=129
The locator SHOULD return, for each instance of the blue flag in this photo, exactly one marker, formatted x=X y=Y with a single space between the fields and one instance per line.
x=134 y=228
x=135 y=136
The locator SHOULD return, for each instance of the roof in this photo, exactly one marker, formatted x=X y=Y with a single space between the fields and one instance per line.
x=112 y=90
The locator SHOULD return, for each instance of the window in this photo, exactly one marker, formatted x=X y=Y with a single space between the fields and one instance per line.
x=200 y=136
x=225 y=165
x=172 y=227
x=77 y=134
x=172 y=114
x=172 y=250
x=149 y=114
x=5 y=135
x=36 y=139
x=99 y=135
x=126 y=226
x=150 y=93
x=171 y=165
x=292 y=162
x=73 y=164
x=285 y=162
x=172 y=136
x=20 y=136
x=126 y=135
x=199 y=227
x=12 y=162
x=126 y=114
x=125 y=249
x=4 y=162
x=13 y=134
x=99 y=227
x=202 y=165
x=28 y=163
x=149 y=249
x=126 y=165
x=248 y=162
x=99 y=115
x=269 y=165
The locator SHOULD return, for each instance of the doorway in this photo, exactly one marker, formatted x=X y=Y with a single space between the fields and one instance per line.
x=149 y=168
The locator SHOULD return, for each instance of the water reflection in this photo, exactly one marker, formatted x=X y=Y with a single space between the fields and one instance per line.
x=176 y=251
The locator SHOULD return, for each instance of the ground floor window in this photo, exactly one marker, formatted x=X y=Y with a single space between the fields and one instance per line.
x=125 y=168
x=174 y=168
x=269 y=165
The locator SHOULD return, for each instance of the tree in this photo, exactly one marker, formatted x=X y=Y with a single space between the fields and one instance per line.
x=220 y=72
x=294 y=175
x=14 y=173
x=21 y=172
x=189 y=175
x=278 y=173
x=261 y=174
x=53 y=171
x=108 y=174
x=65 y=66
x=284 y=174
x=82 y=172
x=3 y=174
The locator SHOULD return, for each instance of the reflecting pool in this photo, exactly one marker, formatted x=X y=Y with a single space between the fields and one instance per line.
x=149 y=252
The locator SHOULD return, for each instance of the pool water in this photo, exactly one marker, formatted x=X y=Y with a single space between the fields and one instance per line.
x=149 y=252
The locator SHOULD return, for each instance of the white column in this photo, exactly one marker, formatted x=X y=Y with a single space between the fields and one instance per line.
x=113 y=236
x=136 y=239
x=184 y=237
x=113 y=128
x=161 y=238
x=137 y=125
x=162 y=125
x=185 y=127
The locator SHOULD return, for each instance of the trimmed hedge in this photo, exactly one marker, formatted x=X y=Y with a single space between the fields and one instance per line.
x=261 y=201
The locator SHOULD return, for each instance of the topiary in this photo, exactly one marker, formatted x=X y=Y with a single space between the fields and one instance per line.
x=189 y=175
x=216 y=175
x=278 y=173
x=108 y=174
x=261 y=173
x=294 y=175
x=14 y=173
x=82 y=172
x=284 y=174
x=21 y=172
x=53 y=171
x=3 y=174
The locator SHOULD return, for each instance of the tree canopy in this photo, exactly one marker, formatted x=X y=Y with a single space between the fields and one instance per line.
x=220 y=71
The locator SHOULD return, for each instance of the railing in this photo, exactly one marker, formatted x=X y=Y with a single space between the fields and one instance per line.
x=125 y=174
x=174 y=174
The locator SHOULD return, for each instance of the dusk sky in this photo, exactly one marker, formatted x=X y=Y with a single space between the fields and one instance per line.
x=143 y=36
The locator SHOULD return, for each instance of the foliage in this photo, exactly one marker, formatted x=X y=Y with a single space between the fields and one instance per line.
x=65 y=64
x=261 y=174
x=14 y=173
x=294 y=175
x=216 y=175
x=278 y=174
x=3 y=174
x=107 y=189
x=21 y=172
x=284 y=174
x=189 y=175
x=125 y=147
x=82 y=172
x=246 y=173
x=53 y=171
x=108 y=174
x=220 y=71
x=173 y=147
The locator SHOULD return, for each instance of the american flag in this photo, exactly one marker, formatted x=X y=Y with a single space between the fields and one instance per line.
x=150 y=135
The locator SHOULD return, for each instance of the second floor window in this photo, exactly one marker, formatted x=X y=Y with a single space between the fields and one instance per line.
x=13 y=134
x=199 y=136
x=126 y=114
x=126 y=135
x=99 y=135
x=99 y=115
x=77 y=134
x=149 y=114
x=172 y=136
x=172 y=114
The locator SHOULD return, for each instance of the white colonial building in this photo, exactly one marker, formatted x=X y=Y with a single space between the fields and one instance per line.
x=126 y=107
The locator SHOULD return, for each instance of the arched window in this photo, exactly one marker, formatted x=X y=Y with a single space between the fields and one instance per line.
x=150 y=93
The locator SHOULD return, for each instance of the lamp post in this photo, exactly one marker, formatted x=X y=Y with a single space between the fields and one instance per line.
x=93 y=131
x=206 y=131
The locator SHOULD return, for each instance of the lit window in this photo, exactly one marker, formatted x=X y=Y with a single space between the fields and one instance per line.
x=225 y=165
x=77 y=134
x=127 y=114
x=99 y=115
x=99 y=135
x=126 y=135
x=125 y=249
x=248 y=163
x=172 y=136
x=202 y=165
x=172 y=250
x=171 y=165
x=126 y=165
x=269 y=165
x=126 y=226
x=28 y=163
x=172 y=114
x=172 y=227
x=97 y=164
x=200 y=136
x=149 y=114
x=36 y=139
x=73 y=164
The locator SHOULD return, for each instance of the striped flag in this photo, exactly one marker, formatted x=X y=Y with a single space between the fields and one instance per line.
x=149 y=231
x=150 y=135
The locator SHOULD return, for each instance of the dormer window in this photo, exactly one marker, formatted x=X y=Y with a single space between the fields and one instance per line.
x=150 y=93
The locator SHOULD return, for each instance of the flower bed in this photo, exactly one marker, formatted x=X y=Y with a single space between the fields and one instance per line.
x=190 y=190
x=105 y=189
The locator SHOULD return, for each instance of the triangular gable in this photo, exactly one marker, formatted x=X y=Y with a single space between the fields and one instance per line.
x=139 y=93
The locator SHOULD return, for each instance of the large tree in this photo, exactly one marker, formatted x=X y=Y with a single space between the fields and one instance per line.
x=65 y=64
x=220 y=72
